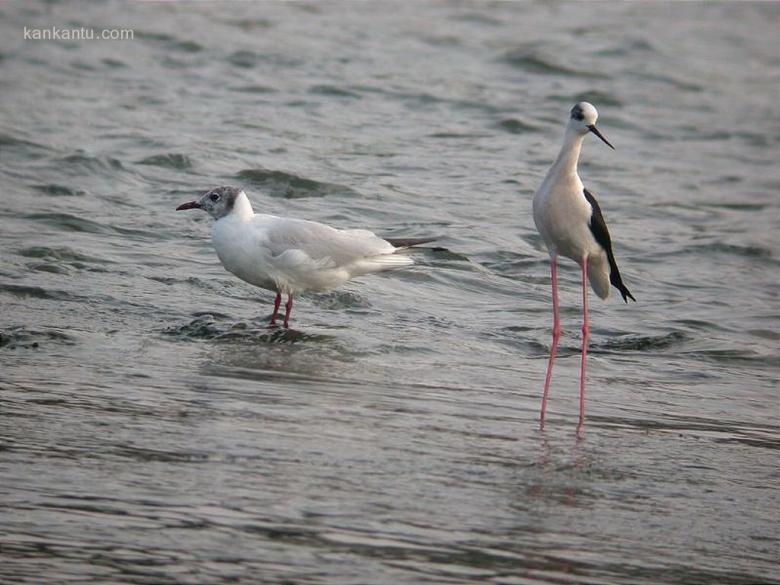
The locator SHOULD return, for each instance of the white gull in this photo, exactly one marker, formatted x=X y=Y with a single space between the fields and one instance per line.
x=288 y=255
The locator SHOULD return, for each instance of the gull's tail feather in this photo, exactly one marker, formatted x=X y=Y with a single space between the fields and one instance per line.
x=408 y=242
x=380 y=263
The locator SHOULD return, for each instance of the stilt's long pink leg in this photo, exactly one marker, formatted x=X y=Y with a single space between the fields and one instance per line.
x=277 y=302
x=287 y=310
x=556 y=334
x=585 y=332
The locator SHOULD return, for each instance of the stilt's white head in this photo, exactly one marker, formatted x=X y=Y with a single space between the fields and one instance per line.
x=583 y=118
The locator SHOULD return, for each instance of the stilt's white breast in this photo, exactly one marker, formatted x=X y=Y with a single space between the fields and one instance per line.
x=562 y=216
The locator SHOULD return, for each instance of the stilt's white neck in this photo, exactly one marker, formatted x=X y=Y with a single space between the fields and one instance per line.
x=570 y=152
x=242 y=208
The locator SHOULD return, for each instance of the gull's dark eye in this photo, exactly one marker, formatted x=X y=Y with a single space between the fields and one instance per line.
x=214 y=197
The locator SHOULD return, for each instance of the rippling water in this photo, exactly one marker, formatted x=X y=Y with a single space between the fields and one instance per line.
x=153 y=431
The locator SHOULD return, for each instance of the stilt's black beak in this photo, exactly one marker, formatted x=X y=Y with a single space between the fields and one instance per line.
x=595 y=130
x=188 y=205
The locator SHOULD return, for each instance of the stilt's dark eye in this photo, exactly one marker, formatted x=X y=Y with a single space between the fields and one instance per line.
x=214 y=197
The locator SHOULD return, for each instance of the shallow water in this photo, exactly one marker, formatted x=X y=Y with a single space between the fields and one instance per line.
x=152 y=430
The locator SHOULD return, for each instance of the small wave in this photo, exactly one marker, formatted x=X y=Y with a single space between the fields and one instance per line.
x=332 y=90
x=736 y=206
x=476 y=18
x=340 y=299
x=765 y=334
x=735 y=356
x=761 y=442
x=113 y=63
x=255 y=88
x=69 y=222
x=509 y=263
x=719 y=430
x=150 y=455
x=734 y=249
x=250 y=59
x=642 y=342
x=291 y=186
x=187 y=46
x=23 y=291
x=60 y=260
x=193 y=281
x=244 y=59
x=599 y=98
x=456 y=135
x=170 y=160
x=171 y=42
x=250 y=23
x=28 y=147
x=78 y=163
x=152 y=36
x=443 y=40
x=59 y=190
x=669 y=80
x=627 y=48
x=214 y=326
x=23 y=338
x=202 y=327
x=49 y=267
x=531 y=61
x=517 y=126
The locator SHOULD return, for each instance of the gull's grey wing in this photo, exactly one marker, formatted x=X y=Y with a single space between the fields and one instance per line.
x=323 y=244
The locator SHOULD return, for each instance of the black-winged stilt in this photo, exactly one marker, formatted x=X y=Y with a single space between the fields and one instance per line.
x=570 y=222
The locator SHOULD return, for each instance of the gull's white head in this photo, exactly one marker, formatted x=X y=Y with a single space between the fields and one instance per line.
x=218 y=202
x=583 y=118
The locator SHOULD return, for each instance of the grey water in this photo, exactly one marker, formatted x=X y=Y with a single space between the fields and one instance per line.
x=153 y=430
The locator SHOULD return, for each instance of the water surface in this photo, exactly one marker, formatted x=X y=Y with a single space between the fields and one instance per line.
x=152 y=430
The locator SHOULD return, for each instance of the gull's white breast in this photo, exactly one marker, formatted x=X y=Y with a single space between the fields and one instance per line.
x=240 y=249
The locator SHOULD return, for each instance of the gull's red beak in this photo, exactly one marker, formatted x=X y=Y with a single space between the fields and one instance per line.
x=188 y=205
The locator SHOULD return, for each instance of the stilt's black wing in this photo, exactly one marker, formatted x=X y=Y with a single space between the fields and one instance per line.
x=599 y=229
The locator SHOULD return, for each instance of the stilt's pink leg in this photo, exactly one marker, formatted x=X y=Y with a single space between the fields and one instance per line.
x=556 y=334
x=287 y=310
x=585 y=332
x=277 y=302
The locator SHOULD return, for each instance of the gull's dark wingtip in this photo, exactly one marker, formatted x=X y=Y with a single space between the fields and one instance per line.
x=409 y=242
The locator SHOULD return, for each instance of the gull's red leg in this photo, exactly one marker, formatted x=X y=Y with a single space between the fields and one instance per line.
x=277 y=302
x=287 y=310
x=556 y=334
x=585 y=333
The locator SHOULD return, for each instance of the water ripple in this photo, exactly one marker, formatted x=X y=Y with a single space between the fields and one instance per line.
x=211 y=326
x=290 y=185
x=23 y=338
x=168 y=160
x=533 y=60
